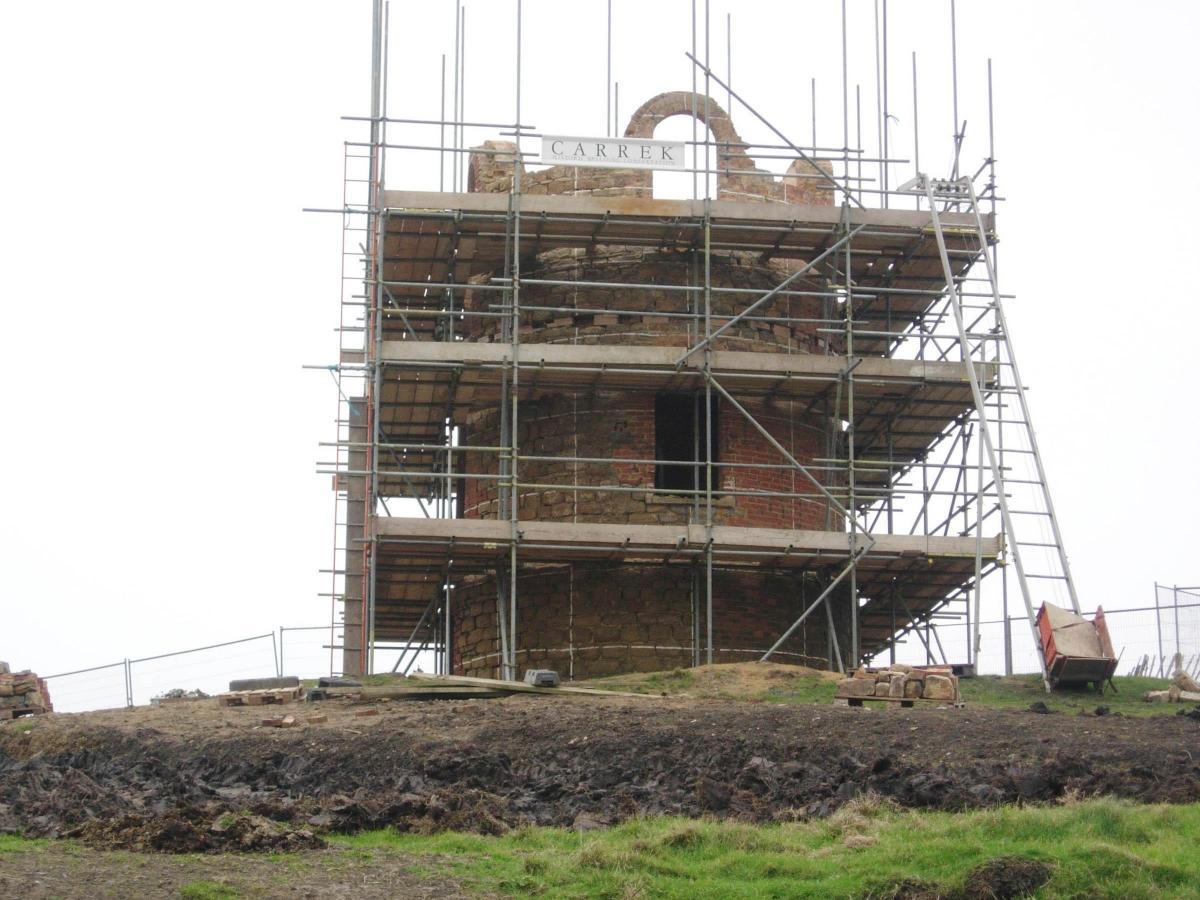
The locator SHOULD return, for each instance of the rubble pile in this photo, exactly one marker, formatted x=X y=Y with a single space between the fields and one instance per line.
x=22 y=694
x=1183 y=689
x=900 y=682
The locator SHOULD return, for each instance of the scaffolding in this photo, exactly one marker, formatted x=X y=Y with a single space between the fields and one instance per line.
x=931 y=481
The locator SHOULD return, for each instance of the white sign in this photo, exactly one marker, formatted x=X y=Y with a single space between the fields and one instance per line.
x=613 y=153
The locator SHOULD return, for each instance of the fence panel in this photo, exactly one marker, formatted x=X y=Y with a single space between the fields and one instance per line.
x=1178 y=631
x=98 y=687
x=306 y=652
x=209 y=669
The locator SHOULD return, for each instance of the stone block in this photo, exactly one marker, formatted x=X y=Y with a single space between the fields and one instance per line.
x=896 y=688
x=913 y=689
x=939 y=687
x=855 y=687
x=1185 y=682
x=883 y=689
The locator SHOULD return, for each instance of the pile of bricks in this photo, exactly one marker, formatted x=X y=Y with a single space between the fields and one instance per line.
x=901 y=682
x=22 y=694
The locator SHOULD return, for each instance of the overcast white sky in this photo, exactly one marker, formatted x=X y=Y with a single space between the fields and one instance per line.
x=160 y=288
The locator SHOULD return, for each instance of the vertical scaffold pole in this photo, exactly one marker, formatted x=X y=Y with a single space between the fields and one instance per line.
x=514 y=505
x=375 y=326
x=708 y=398
x=851 y=505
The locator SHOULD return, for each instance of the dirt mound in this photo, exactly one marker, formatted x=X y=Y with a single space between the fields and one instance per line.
x=1005 y=878
x=165 y=778
x=911 y=889
x=1002 y=878
x=187 y=832
x=730 y=681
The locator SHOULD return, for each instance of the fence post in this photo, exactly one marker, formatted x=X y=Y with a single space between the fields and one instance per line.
x=281 y=631
x=1175 y=598
x=128 y=684
x=275 y=650
x=1158 y=621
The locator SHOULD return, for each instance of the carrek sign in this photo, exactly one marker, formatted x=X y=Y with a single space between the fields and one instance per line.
x=613 y=153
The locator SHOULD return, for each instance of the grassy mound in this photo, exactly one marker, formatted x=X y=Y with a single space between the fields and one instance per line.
x=775 y=683
x=1093 y=848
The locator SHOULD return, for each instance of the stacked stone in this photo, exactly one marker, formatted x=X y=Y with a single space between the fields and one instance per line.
x=901 y=682
x=22 y=693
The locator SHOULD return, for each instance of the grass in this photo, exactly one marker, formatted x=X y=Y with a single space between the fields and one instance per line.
x=207 y=890
x=1018 y=691
x=15 y=843
x=771 y=683
x=1094 y=848
x=751 y=682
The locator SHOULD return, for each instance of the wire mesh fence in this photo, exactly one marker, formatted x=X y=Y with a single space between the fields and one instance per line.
x=1170 y=639
x=208 y=669
x=130 y=682
x=96 y=687
x=309 y=651
x=1152 y=640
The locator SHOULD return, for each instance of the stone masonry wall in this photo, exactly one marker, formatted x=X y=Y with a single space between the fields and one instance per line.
x=666 y=316
x=619 y=425
x=591 y=619
x=738 y=177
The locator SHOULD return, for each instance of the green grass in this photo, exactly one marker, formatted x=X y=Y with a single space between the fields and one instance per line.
x=1018 y=691
x=672 y=681
x=207 y=890
x=1015 y=692
x=15 y=843
x=802 y=690
x=1096 y=848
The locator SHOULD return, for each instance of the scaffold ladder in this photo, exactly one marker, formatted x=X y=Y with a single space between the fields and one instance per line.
x=984 y=348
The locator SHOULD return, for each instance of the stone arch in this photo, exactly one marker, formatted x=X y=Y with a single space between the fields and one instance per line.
x=731 y=154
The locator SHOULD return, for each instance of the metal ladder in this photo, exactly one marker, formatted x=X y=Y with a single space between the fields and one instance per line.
x=1003 y=438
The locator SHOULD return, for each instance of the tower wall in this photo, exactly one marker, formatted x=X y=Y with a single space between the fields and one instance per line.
x=588 y=619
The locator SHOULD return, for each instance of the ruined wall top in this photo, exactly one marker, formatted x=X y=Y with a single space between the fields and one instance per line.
x=738 y=178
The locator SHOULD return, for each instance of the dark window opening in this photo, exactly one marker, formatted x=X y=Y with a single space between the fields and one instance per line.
x=680 y=436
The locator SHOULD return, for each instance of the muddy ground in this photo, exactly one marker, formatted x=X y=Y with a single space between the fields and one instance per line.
x=197 y=777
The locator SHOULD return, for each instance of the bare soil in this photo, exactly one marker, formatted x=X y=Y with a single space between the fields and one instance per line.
x=198 y=777
x=68 y=871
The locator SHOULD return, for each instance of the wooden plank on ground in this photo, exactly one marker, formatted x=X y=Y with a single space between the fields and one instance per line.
x=519 y=687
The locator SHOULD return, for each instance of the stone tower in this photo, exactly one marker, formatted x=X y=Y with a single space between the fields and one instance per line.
x=598 y=618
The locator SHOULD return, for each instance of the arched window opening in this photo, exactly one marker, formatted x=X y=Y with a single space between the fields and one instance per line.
x=693 y=183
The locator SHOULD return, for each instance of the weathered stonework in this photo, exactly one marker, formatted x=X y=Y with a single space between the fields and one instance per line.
x=737 y=176
x=598 y=618
x=593 y=619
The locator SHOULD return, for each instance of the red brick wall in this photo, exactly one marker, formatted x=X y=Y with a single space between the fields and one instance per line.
x=616 y=425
